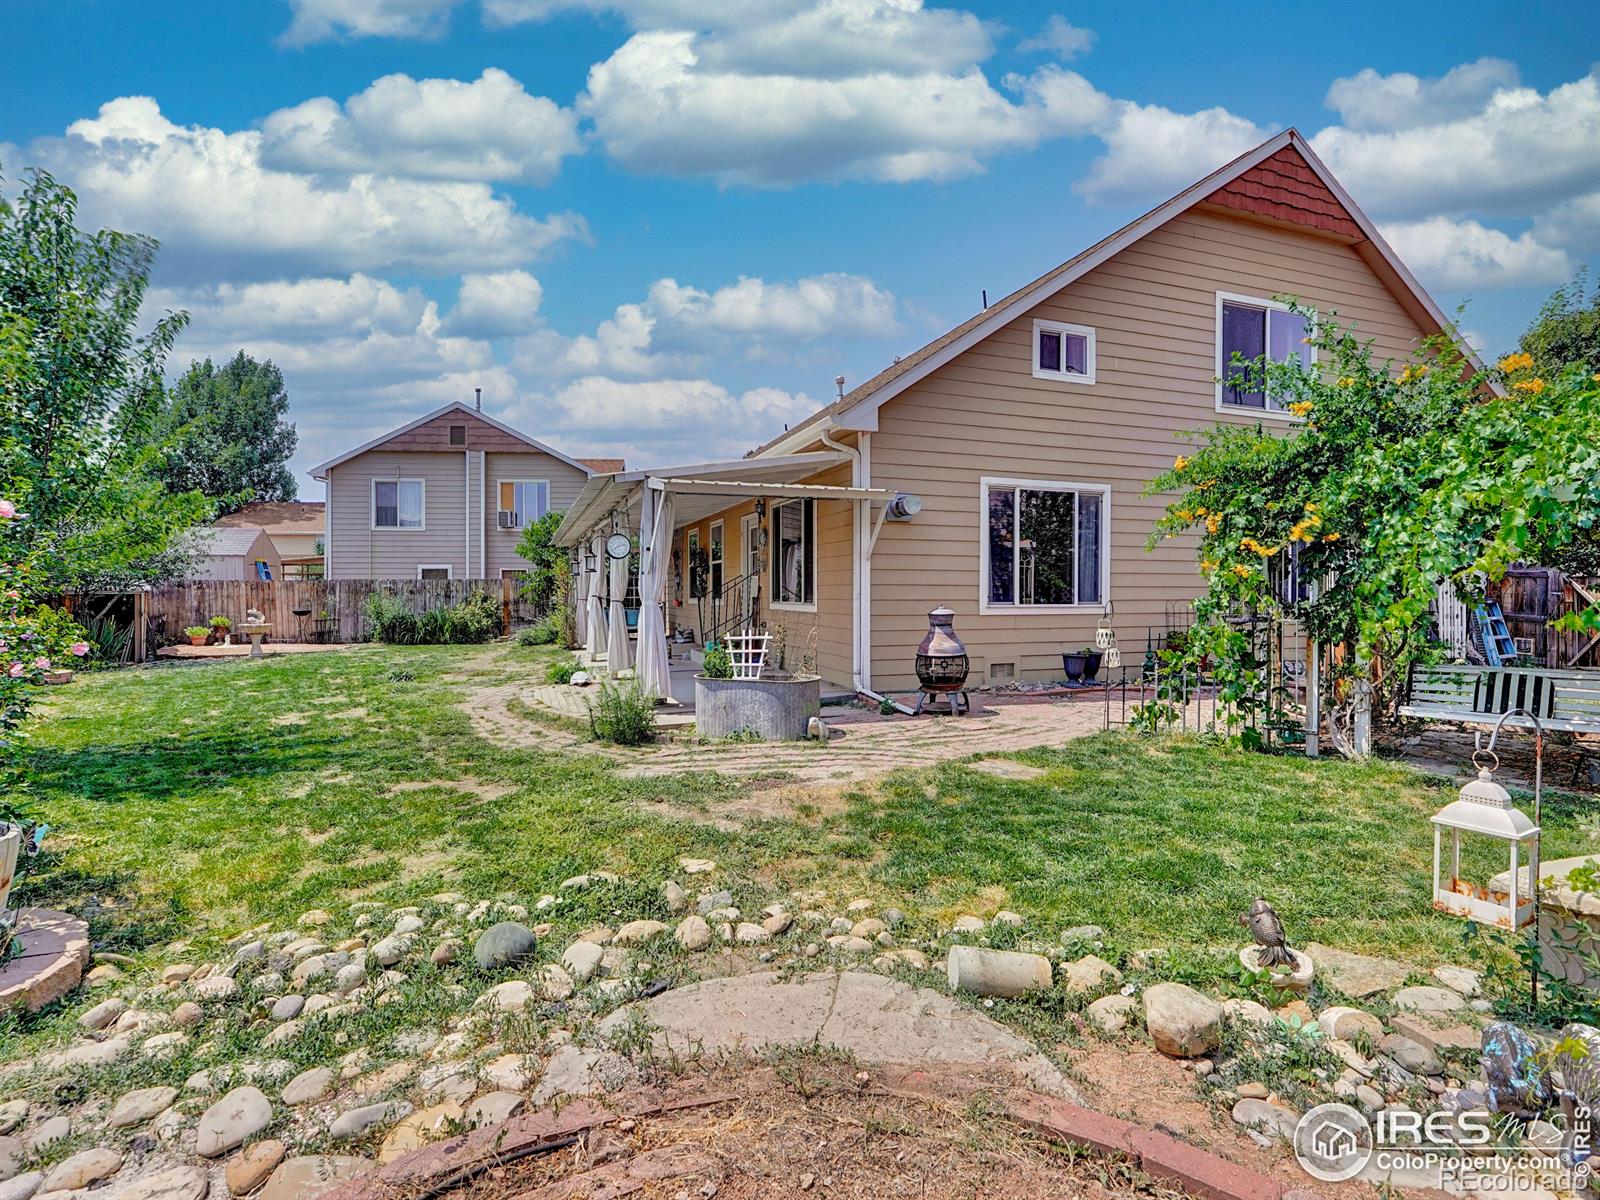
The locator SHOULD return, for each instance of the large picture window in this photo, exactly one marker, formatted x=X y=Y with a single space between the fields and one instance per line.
x=794 y=556
x=1044 y=544
x=397 y=504
x=1251 y=328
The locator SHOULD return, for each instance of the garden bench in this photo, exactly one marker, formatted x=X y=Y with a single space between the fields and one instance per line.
x=1562 y=700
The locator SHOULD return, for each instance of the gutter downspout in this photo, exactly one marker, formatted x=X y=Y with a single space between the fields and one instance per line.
x=858 y=530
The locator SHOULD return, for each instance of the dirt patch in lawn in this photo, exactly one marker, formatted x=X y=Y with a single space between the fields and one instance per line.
x=493 y=718
x=472 y=787
x=758 y=799
x=813 y=1128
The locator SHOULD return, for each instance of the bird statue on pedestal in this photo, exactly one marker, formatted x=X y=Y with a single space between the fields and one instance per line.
x=1267 y=930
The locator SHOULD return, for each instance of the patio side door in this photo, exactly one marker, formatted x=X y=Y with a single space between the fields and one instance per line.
x=750 y=568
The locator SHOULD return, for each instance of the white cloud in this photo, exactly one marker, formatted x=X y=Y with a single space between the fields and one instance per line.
x=490 y=128
x=1371 y=101
x=223 y=213
x=1153 y=151
x=326 y=334
x=1574 y=224
x=598 y=404
x=1466 y=255
x=496 y=304
x=1059 y=36
x=318 y=20
x=677 y=327
x=658 y=107
x=1522 y=151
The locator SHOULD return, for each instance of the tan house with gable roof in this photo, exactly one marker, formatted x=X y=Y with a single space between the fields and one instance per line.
x=443 y=497
x=1028 y=433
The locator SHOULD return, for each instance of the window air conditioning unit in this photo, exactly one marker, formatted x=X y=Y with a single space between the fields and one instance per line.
x=507 y=520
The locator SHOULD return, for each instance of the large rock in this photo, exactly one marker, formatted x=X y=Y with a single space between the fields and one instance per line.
x=232 y=1121
x=637 y=932
x=503 y=945
x=1111 y=1012
x=1339 y=1021
x=1181 y=1021
x=582 y=959
x=309 y=1086
x=579 y=1071
x=1271 y=1119
x=248 y=1171
x=175 y=1183
x=1429 y=999
x=1357 y=975
x=12 y=1152
x=420 y=1128
x=137 y=1107
x=310 y=1175
x=82 y=1169
x=358 y=1121
x=104 y=1013
x=693 y=933
x=1089 y=975
x=21 y=1187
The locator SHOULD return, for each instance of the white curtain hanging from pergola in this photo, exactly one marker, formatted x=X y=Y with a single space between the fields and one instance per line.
x=580 y=601
x=595 y=635
x=655 y=530
x=618 y=657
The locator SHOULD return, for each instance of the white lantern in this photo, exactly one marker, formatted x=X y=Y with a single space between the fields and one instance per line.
x=1485 y=809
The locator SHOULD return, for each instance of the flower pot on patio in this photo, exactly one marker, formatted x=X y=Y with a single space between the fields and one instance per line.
x=1081 y=664
x=774 y=710
x=61 y=676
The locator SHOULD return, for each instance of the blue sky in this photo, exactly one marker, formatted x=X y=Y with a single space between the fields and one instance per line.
x=661 y=228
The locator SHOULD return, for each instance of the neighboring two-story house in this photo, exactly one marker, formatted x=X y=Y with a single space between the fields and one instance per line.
x=1028 y=433
x=444 y=497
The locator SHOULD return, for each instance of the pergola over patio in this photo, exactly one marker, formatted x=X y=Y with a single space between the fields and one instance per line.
x=655 y=504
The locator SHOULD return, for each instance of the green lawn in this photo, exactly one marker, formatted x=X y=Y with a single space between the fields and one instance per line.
x=191 y=801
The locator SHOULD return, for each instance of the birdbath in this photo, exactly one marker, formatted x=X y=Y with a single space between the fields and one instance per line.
x=254 y=625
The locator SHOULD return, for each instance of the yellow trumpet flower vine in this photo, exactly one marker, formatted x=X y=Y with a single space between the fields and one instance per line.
x=1516 y=362
x=1179 y=463
x=1532 y=387
x=1413 y=372
x=1301 y=407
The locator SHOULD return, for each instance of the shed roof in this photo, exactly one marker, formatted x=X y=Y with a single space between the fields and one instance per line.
x=228 y=542
x=277 y=516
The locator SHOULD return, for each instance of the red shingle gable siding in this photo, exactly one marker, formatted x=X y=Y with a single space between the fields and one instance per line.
x=1285 y=188
x=435 y=435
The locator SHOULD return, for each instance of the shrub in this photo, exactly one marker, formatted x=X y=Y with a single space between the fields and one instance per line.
x=546 y=631
x=562 y=671
x=57 y=634
x=717 y=664
x=390 y=620
x=476 y=619
x=623 y=714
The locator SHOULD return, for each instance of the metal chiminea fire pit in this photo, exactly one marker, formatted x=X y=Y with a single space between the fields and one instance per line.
x=942 y=663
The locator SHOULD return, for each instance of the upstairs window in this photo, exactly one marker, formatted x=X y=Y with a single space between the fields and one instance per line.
x=1251 y=328
x=1044 y=544
x=458 y=435
x=522 y=502
x=1063 y=352
x=794 y=529
x=397 y=504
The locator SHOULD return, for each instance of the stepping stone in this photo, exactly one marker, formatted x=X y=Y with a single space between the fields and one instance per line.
x=1459 y=979
x=358 y=1121
x=875 y=1018
x=1357 y=975
x=1437 y=1035
x=310 y=1175
x=1338 y=1021
x=577 y=1071
x=491 y=1108
x=12 y=1152
x=1429 y=999
x=420 y=1128
x=1272 y=1119
x=175 y=1183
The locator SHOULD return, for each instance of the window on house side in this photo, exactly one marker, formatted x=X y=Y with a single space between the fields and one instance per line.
x=527 y=500
x=458 y=435
x=1045 y=544
x=795 y=556
x=1251 y=329
x=397 y=504
x=1063 y=352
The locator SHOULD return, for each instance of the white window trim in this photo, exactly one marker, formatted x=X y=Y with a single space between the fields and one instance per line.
x=1083 y=331
x=1047 y=485
x=499 y=483
x=1276 y=414
x=372 y=508
x=816 y=561
x=447 y=568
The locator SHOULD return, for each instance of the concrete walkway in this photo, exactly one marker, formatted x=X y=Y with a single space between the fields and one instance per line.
x=874 y=1018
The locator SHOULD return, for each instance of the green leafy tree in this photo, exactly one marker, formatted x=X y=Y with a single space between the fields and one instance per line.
x=547 y=561
x=228 y=436
x=1397 y=479
x=82 y=399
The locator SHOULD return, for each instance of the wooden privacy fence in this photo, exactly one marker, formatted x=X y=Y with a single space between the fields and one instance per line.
x=334 y=606
x=1534 y=597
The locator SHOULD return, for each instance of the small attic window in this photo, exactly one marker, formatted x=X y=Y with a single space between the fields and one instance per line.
x=458 y=435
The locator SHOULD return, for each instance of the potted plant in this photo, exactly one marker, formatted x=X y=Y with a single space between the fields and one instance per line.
x=219 y=628
x=1082 y=665
x=197 y=635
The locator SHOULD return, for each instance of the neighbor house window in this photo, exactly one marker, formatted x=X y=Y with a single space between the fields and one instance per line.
x=522 y=502
x=397 y=504
x=436 y=574
x=1044 y=544
x=458 y=435
x=794 y=528
x=1064 y=352
x=1251 y=328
